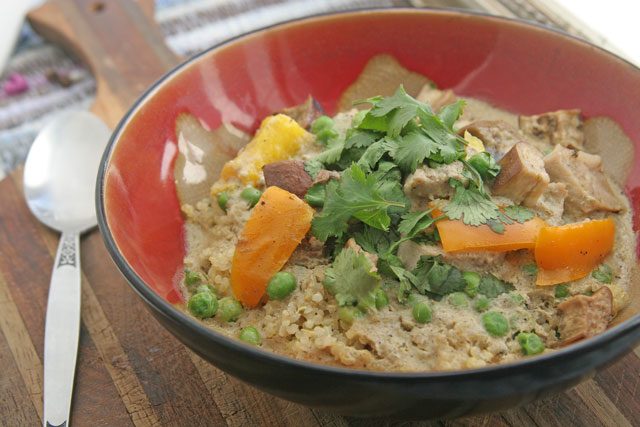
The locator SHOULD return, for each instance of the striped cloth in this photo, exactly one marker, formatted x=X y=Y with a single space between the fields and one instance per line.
x=189 y=26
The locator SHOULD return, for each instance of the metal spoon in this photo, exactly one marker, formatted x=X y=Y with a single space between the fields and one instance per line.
x=59 y=185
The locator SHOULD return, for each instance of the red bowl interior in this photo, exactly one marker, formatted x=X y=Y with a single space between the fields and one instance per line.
x=521 y=67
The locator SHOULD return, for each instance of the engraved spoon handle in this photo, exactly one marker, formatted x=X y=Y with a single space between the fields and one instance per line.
x=62 y=330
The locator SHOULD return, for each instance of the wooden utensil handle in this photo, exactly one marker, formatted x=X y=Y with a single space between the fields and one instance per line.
x=117 y=39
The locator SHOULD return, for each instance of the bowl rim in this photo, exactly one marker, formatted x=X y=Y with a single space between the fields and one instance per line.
x=167 y=310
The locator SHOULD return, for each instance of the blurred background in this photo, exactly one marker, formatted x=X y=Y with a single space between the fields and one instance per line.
x=38 y=79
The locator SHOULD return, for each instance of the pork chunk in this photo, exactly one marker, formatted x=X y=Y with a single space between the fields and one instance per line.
x=550 y=206
x=306 y=113
x=289 y=175
x=583 y=317
x=523 y=177
x=433 y=183
x=562 y=127
x=497 y=136
x=588 y=187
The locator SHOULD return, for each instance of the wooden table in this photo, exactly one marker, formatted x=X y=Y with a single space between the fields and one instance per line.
x=131 y=371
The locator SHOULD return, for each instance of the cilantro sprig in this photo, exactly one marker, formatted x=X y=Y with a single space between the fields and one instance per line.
x=355 y=195
x=386 y=143
x=352 y=281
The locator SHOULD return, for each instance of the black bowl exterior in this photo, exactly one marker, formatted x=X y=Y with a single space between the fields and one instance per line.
x=405 y=396
x=414 y=396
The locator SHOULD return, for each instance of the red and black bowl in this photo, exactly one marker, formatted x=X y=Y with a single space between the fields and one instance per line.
x=514 y=65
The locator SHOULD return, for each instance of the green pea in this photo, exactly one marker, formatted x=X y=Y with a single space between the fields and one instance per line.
x=495 y=323
x=281 y=285
x=192 y=278
x=562 y=291
x=223 y=198
x=203 y=305
x=250 y=335
x=251 y=195
x=322 y=123
x=481 y=303
x=382 y=300
x=323 y=128
x=530 y=343
x=421 y=312
x=326 y=134
x=458 y=299
x=349 y=314
x=230 y=309
x=205 y=287
x=473 y=282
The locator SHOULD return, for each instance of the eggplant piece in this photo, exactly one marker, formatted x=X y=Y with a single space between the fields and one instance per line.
x=523 y=177
x=289 y=175
x=306 y=113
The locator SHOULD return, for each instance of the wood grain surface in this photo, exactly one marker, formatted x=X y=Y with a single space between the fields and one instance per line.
x=130 y=370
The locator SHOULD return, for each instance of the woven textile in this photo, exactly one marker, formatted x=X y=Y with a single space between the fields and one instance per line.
x=189 y=26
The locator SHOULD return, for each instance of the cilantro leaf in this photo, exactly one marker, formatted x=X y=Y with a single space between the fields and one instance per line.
x=372 y=156
x=470 y=206
x=399 y=118
x=351 y=280
x=518 y=213
x=316 y=194
x=360 y=138
x=387 y=171
x=399 y=100
x=414 y=222
x=373 y=240
x=496 y=226
x=396 y=110
x=355 y=195
x=451 y=149
x=312 y=167
x=485 y=164
x=348 y=157
x=332 y=153
x=391 y=190
x=406 y=278
x=491 y=286
x=427 y=238
x=437 y=277
x=370 y=122
x=413 y=149
x=450 y=113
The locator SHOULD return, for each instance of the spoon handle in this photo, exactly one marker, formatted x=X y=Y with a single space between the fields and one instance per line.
x=62 y=330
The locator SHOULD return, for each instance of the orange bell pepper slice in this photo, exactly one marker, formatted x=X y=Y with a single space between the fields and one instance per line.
x=277 y=225
x=569 y=252
x=456 y=236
